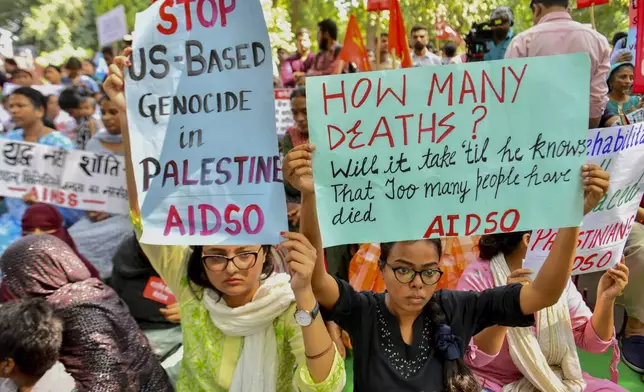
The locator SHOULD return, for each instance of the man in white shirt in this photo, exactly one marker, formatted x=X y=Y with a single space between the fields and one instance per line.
x=421 y=56
x=30 y=340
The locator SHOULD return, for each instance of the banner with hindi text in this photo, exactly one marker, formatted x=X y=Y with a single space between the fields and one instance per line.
x=449 y=151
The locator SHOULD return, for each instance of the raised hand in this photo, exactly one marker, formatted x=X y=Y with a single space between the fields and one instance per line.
x=298 y=170
x=114 y=85
x=612 y=283
x=301 y=257
x=595 y=185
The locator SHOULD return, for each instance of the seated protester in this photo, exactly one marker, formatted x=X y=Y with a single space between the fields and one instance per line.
x=103 y=347
x=130 y=278
x=30 y=341
x=76 y=78
x=237 y=316
x=74 y=102
x=535 y=357
x=108 y=140
x=63 y=122
x=22 y=78
x=413 y=337
x=28 y=108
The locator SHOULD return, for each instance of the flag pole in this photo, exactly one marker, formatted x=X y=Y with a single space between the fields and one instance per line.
x=378 y=43
x=592 y=16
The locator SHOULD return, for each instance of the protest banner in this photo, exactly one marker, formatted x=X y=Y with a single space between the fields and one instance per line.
x=449 y=151
x=283 y=113
x=76 y=179
x=620 y=151
x=111 y=26
x=202 y=125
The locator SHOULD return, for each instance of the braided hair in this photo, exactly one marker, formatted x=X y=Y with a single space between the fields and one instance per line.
x=457 y=376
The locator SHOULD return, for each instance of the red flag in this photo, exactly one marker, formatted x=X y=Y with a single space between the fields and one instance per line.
x=377 y=5
x=638 y=82
x=446 y=32
x=398 y=42
x=587 y=3
x=353 y=49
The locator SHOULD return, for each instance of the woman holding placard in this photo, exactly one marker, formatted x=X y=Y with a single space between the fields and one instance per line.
x=412 y=337
x=237 y=316
x=520 y=357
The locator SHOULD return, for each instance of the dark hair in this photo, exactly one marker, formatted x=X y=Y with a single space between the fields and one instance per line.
x=329 y=26
x=107 y=50
x=57 y=68
x=492 y=244
x=613 y=71
x=298 y=92
x=37 y=99
x=30 y=335
x=21 y=71
x=197 y=273
x=71 y=98
x=417 y=28
x=449 y=50
x=618 y=36
x=457 y=376
x=73 y=63
x=301 y=32
x=91 y=62
x=550 y=3
x=11 y=61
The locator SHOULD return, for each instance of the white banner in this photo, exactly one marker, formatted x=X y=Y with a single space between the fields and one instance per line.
x=620 y=151
x=283 y=114
x=67 y=178
x=111 y=26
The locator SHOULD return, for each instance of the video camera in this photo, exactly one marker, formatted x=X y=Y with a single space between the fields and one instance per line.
x=477 y=38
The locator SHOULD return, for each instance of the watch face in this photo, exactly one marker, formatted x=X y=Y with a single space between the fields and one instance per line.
x=303 y=318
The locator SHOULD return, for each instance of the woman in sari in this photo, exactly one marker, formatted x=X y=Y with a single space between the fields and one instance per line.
x=620 y=84
x=103 y=347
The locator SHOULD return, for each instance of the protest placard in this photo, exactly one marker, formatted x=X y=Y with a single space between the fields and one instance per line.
x=67 y=178
x=283 y=113
x=111 y=26
x=449 y=151
x=620 y=151
x=202 y=125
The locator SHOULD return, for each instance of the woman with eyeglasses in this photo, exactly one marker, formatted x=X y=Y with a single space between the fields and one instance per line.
x=412 y=337
x=245 y=328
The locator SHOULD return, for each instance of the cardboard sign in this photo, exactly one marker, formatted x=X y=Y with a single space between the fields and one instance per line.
x=283 y=113
x=77 y=179
x=449 y=151
x=620 y=151
x=157 y=291
x=111 y=26
x=202 y=123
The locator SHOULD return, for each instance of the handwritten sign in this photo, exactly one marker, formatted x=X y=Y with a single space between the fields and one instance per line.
x=620 y=151
x=111 y=26
x=449 y=151
x=68 y=178
x=283 y=113
x=202 y=123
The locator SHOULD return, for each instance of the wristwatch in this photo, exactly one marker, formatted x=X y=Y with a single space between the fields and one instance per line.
x=304 y=318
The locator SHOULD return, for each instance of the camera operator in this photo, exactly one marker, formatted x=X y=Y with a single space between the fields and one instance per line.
x=555 y=32
x=501 y=34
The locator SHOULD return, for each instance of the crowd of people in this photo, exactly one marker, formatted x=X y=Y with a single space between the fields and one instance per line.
x=76 y=314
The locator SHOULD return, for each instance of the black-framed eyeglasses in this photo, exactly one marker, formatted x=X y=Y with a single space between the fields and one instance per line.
x=429 y=277
x=243 y=261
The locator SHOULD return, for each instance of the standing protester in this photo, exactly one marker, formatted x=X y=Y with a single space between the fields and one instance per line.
x=76 y=78
x=386 y=61
x=620 y=84
x=449 y=55
x=421 y=56
x=556 y=33
x=10 y=65
x=103 y=347
x=63 y=122
x=76 y=104
x=633 y=340
x=502 y=34
x=326 y=62
x=412 y=337
x=231 y=299
x=542 y=358
x=299 y=63
x=30 y=341
x=22 y=78
x=53 y=75
x=108 y=140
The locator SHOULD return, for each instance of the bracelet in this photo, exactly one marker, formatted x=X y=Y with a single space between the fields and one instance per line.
x=321 y=354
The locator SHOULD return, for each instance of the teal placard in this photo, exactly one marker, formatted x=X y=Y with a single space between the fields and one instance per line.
x=449 y=150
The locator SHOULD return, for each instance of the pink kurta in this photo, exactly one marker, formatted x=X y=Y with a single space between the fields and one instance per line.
x=495 y=371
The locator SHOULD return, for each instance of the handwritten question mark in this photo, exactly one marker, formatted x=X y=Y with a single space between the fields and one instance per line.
x=476 y=123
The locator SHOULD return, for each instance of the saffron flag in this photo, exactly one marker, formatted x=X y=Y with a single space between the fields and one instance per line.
x=353 y=50
x=398 y=43
x=446 y=32
x=377 y=5
x=587 y=3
